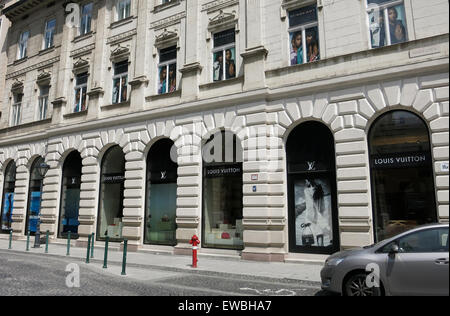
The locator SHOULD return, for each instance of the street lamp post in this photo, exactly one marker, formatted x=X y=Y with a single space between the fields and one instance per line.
x=42 y=169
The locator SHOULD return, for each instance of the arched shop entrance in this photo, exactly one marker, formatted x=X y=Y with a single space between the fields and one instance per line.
x=161 y=195
x=34 y=197
x=70 y=196
x=109 y=220
x=403 y=190
x=312 y=203
x=222 y=192
x=9 y=185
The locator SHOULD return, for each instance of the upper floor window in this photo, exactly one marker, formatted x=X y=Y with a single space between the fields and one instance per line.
x=43 y=102
x=120 y=82
x=23 y=44
x=123 y=9
x=304 y=35
x=80 y=93
x=387 y=22
x=224 y=55
x=49 y=33
x=167 y=70
x=17 y=109
x=86 y=18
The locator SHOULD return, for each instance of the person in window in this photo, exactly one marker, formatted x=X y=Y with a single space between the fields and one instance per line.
x=312 y=46
x=399 y=33
x=377 y=31
x=124 y=90
x=83 y=101
x=230 y=65
x=162 y=81
x=77 y=102
x=116 y=90
x=296 y=49
x=218 y=67
x=172 y=80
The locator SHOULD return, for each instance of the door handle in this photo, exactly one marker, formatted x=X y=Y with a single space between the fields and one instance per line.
x=442 y=261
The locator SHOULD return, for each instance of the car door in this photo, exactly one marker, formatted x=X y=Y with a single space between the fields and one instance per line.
x=421 y=265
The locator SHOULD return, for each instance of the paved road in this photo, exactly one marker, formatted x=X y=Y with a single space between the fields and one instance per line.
x=32 y=274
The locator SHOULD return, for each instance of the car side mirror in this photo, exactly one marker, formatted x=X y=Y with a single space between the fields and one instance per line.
x=394 y=249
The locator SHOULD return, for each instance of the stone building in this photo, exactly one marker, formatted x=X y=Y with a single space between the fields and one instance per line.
x=275 y=130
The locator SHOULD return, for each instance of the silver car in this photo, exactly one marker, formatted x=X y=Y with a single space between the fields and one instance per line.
x=412 y=263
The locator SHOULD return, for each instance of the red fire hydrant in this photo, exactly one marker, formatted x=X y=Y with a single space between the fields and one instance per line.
x=194 y=242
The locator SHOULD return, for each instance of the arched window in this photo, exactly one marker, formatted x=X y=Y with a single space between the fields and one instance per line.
x=402 y=175
x=109 y=222
x=313 y=226
x=34 y=197
x=161 y=198
x=222 y=192
x=8 y=197
x=70 y=195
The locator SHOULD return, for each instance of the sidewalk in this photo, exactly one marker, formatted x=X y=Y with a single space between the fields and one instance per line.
x=294 y=271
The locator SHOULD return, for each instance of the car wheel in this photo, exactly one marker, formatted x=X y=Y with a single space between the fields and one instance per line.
x=356 y=286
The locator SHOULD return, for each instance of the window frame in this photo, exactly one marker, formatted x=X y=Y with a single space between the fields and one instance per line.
x=82 y=87
x=127 y=3
x=303 y=28
x=22 y=48
x=384 y=8
x=16 y=117
x=81 y=31
x=51 y=31
x=167 y=64
x=120 y=76
x=43 y=102
x=224 y=48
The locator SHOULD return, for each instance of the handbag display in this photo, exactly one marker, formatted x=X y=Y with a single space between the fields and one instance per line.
x=307 y=235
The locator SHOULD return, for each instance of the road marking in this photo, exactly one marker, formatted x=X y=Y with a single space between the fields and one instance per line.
x=271 y=292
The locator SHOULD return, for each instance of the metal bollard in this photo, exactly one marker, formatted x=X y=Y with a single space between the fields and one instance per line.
x=88 y=248
x=28 y=241
x=10 y=240
x=46 y=241
x=68 y=244
x=105 y=260
x=124 y=261
x=92 y=245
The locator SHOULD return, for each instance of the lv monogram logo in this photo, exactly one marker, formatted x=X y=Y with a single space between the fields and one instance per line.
x=163 y=175
x=311 y=165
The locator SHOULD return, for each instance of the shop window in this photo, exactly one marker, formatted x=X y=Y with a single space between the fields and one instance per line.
x=8 y=197
x=224 y=55
x=86 y=18
x=43 y=102
x=313 y=226
x=81 y=92
x=70 y=195
x=402 y=175
x=387 y=22
x=304 y=35
x=111 y=195
x=120 y=82
x=167 y=70
x=34 y=197
x=161 y=200
x=49 y=34
x=222 y=192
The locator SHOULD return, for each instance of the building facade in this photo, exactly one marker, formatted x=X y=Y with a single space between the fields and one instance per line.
x=274 y=130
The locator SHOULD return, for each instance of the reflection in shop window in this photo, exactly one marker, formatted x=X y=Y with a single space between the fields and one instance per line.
x=387 y=22
x=222 y=193
x=402 y=174
x=304 y=35
x=8 y=197
x=111 y=195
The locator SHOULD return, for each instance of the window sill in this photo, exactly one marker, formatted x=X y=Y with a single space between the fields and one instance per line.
x=30 y=124
x=223 y=83
x=116 y=105
x=83 y=37
x=20 y=61
x=169 y=95
x=75 y=114
x=46 y=51
x=164 y=6
x=122 y=22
